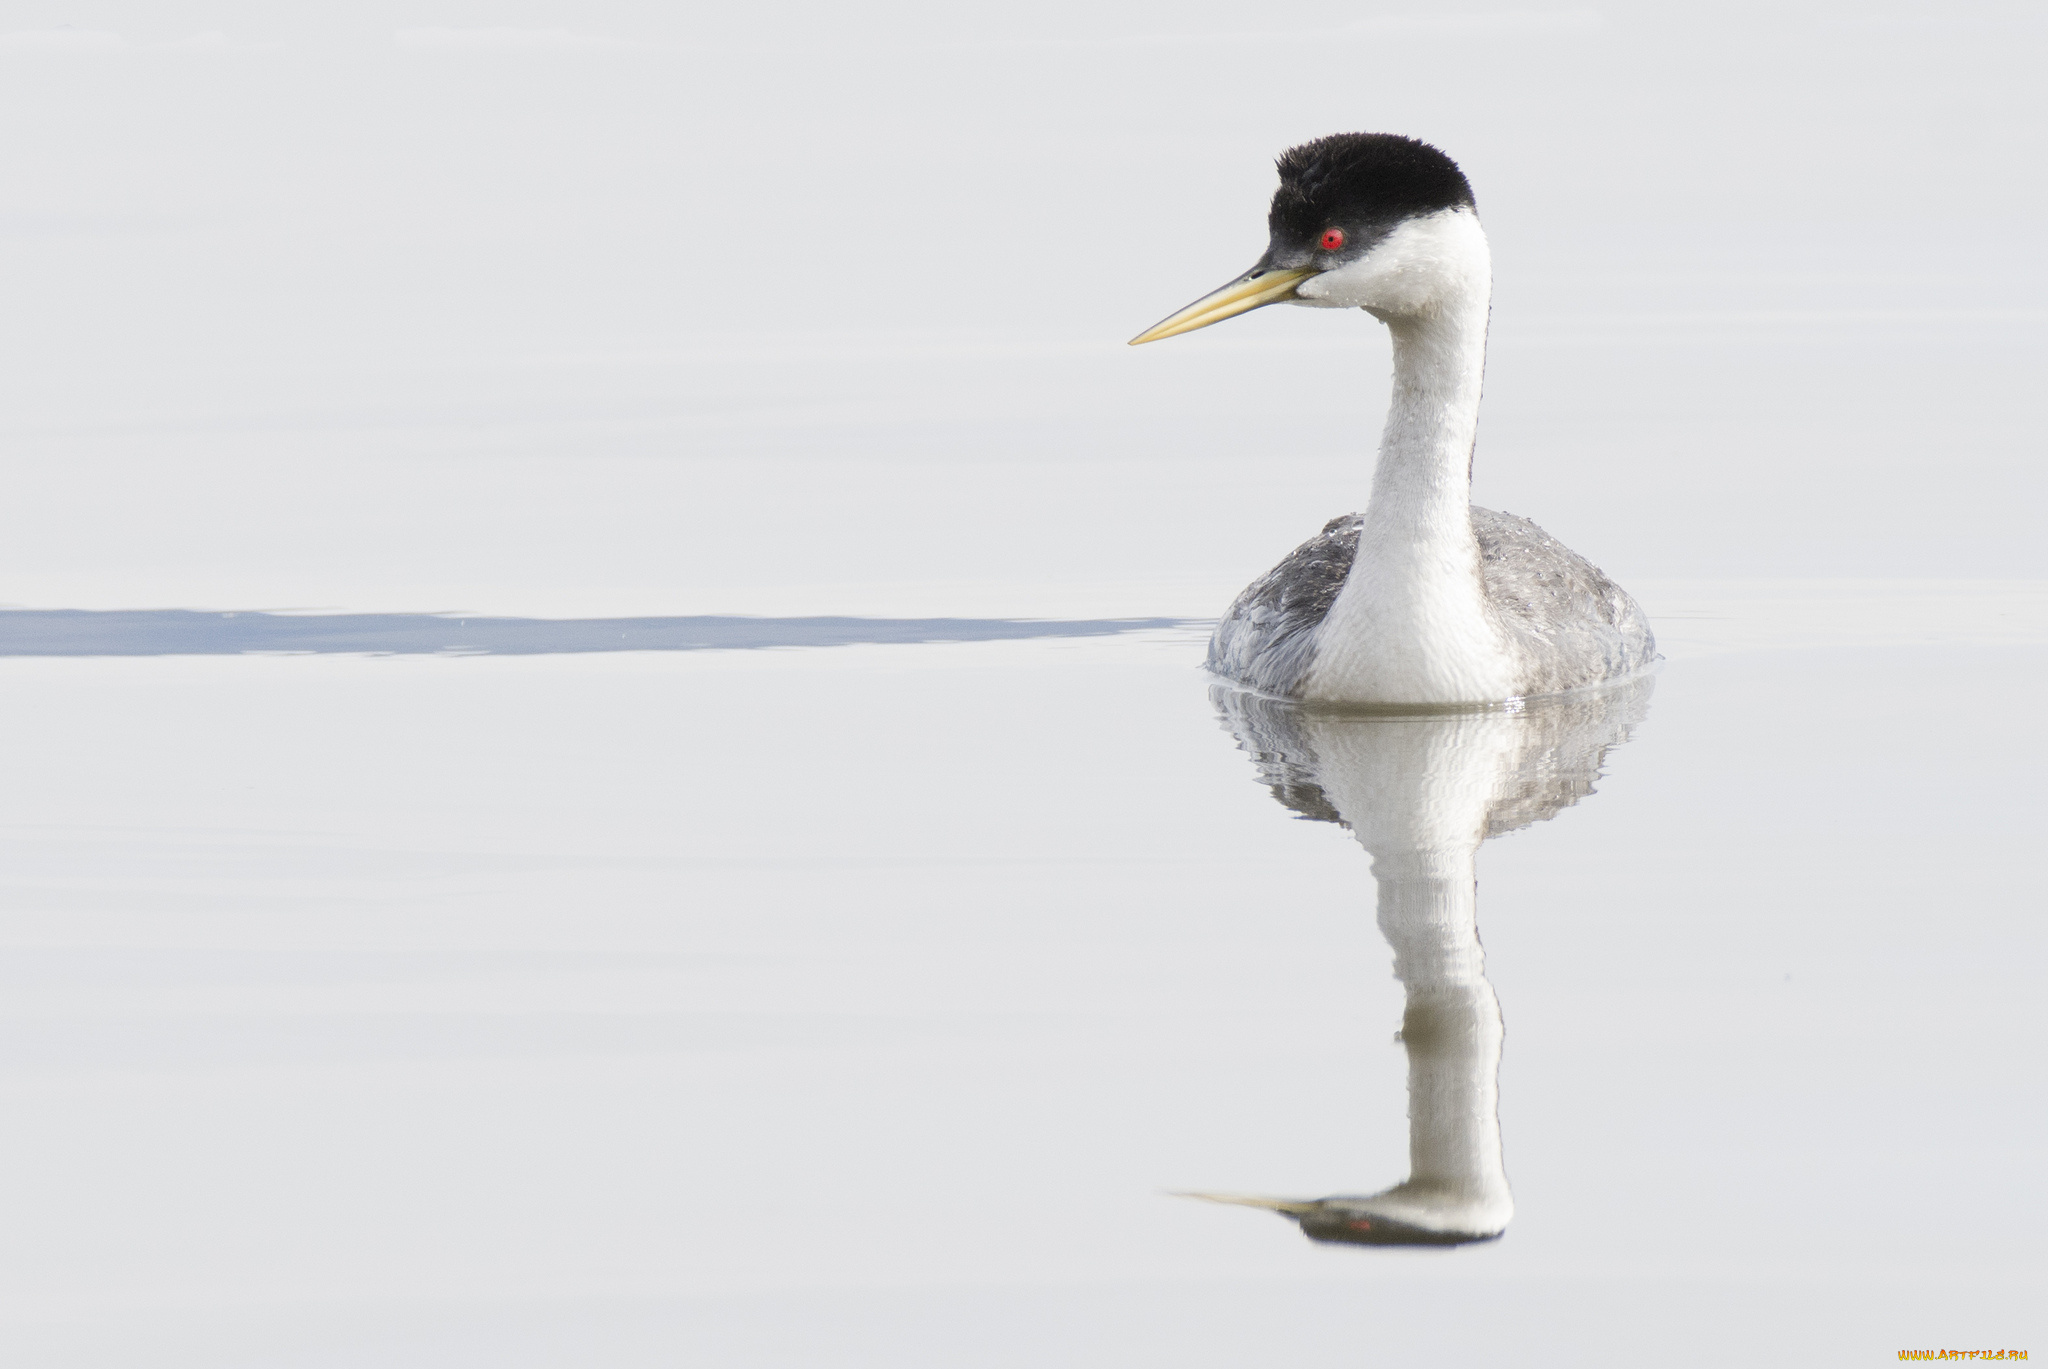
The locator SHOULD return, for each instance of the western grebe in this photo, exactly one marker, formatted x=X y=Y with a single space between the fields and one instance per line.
x=1422 y=598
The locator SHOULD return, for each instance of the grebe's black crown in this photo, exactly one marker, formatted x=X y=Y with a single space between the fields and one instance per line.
x=1375 y=179
x=1339 y=198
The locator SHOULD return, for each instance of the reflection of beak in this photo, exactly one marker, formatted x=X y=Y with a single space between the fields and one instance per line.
x=1291 y=1207
x=1240 y=296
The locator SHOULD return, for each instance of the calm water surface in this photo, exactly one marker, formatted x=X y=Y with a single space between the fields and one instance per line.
x=864 y=1005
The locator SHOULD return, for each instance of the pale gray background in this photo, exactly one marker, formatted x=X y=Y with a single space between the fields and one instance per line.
x=646 y=307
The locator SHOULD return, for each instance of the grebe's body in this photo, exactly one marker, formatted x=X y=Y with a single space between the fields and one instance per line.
x=1563 y=624
x=1420 y=599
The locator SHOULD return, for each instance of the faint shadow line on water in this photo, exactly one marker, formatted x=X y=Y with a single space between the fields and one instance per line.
x=195 y=632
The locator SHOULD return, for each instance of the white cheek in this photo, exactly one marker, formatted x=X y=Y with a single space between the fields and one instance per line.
x=1415 y=266
x=1350 y=286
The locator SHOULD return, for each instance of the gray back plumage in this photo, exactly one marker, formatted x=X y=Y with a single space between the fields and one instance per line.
x=1570 y=625
x=1267 y=640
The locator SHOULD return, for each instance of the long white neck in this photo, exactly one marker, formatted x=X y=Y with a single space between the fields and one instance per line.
x=1411 y=624
x=1421 y=501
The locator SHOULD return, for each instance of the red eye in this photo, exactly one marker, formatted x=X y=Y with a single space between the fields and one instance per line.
x=1333 y=238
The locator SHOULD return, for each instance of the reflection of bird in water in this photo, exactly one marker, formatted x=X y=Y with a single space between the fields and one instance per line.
x=1421 y=792
x=1422 y=598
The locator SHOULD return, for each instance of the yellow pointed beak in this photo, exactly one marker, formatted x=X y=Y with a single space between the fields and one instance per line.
x=1291 y=1207
x=1240 y=296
